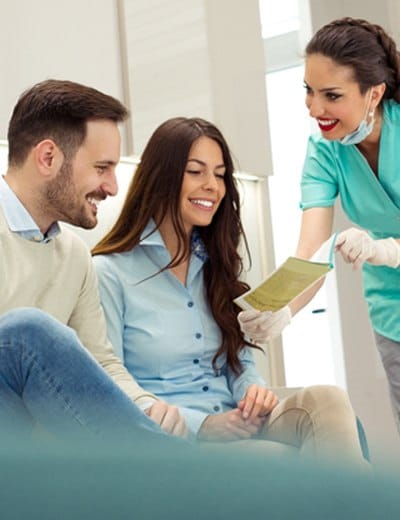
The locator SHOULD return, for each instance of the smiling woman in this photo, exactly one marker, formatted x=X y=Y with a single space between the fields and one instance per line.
x=334 y=99
x=352 y=78
x=169 y=271
x=203 y=185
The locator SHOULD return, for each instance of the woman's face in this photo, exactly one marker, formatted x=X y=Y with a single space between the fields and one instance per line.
x=203 y=185
x=333 y=97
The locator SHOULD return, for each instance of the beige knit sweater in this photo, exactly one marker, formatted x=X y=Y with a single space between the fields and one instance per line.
x=59 y=278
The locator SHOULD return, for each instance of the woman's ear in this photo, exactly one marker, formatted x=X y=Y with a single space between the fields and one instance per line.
x=377 y=94
x=48 y=157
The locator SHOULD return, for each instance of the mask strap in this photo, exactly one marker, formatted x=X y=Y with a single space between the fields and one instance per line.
x=370 y=113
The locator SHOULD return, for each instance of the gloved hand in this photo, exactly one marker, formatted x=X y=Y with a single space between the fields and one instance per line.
x=356 y=247
x=264 y=326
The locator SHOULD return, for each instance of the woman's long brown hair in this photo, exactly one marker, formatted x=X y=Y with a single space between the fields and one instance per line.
x=155 y=192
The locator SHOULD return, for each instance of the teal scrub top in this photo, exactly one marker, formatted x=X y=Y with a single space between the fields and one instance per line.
x=372 y=203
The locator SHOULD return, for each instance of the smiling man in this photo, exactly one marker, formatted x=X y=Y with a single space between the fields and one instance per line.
x=56 y=364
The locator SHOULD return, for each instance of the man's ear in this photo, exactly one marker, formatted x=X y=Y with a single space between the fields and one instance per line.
x=48 y=157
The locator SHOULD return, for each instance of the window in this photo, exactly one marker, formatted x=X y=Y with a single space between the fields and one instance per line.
x=278 y=17
x=307 y=343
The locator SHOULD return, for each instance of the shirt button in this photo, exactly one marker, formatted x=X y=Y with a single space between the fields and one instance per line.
x=196 y=361
x=190 y=304
x=198 y=335
x=205 y=388
x=216 y=408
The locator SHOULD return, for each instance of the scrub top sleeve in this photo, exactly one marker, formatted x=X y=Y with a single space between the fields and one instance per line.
x=319 y=187
x=250 y=376
x=111 y=295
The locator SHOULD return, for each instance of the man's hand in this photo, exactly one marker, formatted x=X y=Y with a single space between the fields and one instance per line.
x=357 y=247
x=228 y=426
x=169 y=418
x=258 y=401
x=264 y=326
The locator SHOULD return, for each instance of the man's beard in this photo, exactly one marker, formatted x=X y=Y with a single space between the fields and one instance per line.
x=61 y=200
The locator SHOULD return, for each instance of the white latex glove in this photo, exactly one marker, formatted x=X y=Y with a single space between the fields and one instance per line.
x=356 y=247
x=264 y=326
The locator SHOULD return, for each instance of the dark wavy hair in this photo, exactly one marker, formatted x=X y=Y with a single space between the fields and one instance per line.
x=155 y=192
x=365 y=47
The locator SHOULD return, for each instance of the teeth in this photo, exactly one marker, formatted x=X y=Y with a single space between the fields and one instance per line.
x=205 y=203
x=327 y=122
x=91 y=200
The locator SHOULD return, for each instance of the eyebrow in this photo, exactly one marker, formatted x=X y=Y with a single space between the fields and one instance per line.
x=106 y=162
x=202 y=163
x=329 y=89
x=326 y=89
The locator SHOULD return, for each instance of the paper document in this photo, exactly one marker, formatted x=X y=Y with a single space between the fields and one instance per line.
x=292 y=278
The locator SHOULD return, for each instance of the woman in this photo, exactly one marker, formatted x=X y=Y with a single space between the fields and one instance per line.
x=352 y=80
x=168 y=272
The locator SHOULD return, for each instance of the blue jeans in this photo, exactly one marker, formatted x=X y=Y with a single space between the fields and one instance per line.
x=48 y=377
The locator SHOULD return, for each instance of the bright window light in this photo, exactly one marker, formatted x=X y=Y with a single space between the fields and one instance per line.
x=307 y=342
x=278 y=17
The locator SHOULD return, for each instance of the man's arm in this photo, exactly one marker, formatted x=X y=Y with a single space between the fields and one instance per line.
x=89 y=322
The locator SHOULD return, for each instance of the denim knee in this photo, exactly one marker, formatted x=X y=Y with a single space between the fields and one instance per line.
x=28 y=325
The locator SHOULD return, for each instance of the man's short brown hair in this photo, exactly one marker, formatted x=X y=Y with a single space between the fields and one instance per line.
x=58 y=110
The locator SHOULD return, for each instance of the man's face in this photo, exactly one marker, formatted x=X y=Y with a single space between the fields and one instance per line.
x=83 y=182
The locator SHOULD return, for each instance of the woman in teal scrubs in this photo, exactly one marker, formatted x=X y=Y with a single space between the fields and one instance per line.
x=352 y=81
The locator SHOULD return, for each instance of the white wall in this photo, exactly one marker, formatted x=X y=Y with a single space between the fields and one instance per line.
x=191 y=58
x=76 y=40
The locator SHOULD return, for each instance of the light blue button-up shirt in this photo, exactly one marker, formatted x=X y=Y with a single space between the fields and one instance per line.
x=19 y=220
x=165 y=332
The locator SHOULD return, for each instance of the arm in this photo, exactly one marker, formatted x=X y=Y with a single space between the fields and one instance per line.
x=112 y=300
x=169 y=418
x=316 y=228
x=228 y=426
x=238 y=384
x=88 y=320
x=250 y=392
x=232 y=425
x=319 y=189
x=246 y=420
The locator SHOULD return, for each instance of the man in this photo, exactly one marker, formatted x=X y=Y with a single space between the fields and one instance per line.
x=64 y=146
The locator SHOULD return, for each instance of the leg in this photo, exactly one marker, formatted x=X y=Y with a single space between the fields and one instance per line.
x=47 y=376
x=319 y=420
x=389 y=351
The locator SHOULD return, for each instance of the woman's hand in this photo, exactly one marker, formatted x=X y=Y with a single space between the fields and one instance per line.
x=264 y=326
x=169 y=418
x=357 y=247
x=258 y=401
x=228 y=426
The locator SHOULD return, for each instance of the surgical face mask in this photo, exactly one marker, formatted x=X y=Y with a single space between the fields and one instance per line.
x=363 y=130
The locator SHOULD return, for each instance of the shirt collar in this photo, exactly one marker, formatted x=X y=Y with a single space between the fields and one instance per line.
x=152 y=237
x=18 y=218
x=198 y=247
